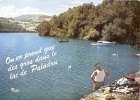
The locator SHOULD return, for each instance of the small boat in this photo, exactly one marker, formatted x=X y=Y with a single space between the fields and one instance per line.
x=137 y=54
x=103 y=43
x=64 y=40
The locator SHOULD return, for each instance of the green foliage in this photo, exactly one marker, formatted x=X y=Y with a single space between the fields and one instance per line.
x=10 y=27
x=44 y=28
x=115 y=31
x=92 y=34
x=112 y=20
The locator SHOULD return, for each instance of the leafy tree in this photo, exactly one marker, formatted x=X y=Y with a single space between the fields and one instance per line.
x=10 y=27
x=44 y=28
x=112 y=20
x=92 y=34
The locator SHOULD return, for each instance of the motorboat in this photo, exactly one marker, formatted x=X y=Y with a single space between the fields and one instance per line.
x=64 y=40
x=137 y=55
x=103 y=43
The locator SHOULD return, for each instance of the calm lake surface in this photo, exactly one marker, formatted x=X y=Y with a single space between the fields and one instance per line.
x=68 y=75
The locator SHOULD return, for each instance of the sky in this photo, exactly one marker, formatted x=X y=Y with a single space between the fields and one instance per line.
x=14 y=8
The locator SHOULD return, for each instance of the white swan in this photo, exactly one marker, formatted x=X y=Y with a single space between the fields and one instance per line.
x=115 y=54
x=69 y=67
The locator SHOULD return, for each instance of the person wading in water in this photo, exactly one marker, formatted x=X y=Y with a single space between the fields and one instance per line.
x=98 y=76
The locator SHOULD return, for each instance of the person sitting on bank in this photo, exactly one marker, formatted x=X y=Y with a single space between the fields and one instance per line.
x=98 y=76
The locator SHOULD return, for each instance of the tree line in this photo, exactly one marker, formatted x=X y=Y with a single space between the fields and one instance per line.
x=11 y=27
x=112 y=20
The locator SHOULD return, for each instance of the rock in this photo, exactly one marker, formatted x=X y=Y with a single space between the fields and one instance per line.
x=122 y=92
x=137 y=46
x=109 y=96
x=137 y=77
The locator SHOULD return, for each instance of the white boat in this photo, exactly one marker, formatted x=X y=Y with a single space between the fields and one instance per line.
x=137 y=54
x=103 y=43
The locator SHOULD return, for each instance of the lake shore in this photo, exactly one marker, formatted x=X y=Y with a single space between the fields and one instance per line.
x=137 y=46
x=133 y=95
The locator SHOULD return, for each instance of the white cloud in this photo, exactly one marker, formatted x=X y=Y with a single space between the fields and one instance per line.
x=12 y=11
x=30 y=10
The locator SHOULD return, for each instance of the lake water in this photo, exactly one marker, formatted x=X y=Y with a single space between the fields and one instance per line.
x=68 y=75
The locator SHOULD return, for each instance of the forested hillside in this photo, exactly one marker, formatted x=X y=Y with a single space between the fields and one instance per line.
x=112 y=20
x=11 y=28
x=23 y=23
x=7 y=26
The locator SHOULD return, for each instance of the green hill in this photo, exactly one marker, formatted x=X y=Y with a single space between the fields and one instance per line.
x=7 y=26
x=111 y=20
x=24 y=23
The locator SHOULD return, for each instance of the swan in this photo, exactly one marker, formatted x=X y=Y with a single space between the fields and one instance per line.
x=69 y=67
x=115 y=54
